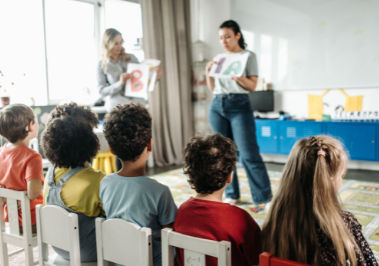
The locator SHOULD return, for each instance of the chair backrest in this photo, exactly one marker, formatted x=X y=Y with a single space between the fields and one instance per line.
x=195 y=249
x=122 y=242
x=267 y=259
x=59 y=228
x=12 y=197
x=17 y=203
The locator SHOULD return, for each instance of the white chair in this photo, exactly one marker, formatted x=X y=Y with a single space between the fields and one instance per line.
x=195 y=249
x=16 y=200
x=123 y=243
x=59 y=228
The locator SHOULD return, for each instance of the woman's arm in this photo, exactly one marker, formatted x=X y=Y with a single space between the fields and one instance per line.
x=248 y=83
x=104 y=87
x=210 y=80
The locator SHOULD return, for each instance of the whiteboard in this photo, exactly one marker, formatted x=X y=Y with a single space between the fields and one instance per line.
x=312 y=44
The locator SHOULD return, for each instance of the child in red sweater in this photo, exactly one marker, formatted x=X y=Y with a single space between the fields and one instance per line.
x=209 y=164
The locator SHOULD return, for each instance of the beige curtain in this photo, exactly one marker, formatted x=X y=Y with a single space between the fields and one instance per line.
x=166 y=34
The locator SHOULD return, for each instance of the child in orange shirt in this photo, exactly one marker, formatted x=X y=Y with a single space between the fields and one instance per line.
x=20 y=166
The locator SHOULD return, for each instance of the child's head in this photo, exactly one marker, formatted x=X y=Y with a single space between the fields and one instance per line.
x=127 y=129
x=307 y=199
x=314 y=163
x=209 y=162
x=16 y=122
x=75 y=110
x=69 y=142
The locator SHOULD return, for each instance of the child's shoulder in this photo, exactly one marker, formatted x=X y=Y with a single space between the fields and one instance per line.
x=149 y=182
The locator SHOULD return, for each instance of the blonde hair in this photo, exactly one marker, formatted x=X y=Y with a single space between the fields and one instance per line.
x=306 y=201
x=107 y=45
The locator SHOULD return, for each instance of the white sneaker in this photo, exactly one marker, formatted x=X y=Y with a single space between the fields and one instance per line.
x=232 y=201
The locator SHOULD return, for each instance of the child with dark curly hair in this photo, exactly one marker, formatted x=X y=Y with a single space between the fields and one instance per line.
x=70 y=144
x=209 y=164
x=20 y=166
x=130 y=194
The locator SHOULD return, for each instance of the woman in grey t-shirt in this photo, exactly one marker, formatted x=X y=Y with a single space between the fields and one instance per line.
x=231 y=115
x=112 y=70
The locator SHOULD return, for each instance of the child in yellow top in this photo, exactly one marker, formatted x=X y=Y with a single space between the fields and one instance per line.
x=70 y=143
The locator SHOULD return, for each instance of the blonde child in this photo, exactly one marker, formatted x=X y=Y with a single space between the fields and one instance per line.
x=129 y=194
x=209 y=164
x=20 y=166
x=306 y=222
x=70 y=144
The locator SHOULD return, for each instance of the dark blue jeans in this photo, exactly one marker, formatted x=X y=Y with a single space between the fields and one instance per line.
x=231 y=115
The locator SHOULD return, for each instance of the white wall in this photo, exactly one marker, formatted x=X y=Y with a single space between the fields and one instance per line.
x=207 y=15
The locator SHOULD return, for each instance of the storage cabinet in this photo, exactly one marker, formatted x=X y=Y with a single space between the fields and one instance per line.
x=267 y=135
x=360 y=138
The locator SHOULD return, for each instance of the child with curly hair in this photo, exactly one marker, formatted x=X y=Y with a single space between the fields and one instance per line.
x=129 y=194
x=20 y=166
x=209 y=164
x=70 y=144
x=306 y=222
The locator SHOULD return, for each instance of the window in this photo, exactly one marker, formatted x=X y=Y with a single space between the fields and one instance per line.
x=22 y=55
x=71 y=50
x=49 y=49
x=126 y=17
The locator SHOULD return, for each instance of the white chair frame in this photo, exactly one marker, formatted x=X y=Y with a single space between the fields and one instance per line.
x=195 y=249
x=59 y=228
x=122 y=242
x=12 y=235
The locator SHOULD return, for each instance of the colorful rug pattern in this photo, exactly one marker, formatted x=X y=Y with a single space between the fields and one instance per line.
x=360 y=198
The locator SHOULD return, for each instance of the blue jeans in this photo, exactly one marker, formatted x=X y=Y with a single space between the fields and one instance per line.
x=231 y=115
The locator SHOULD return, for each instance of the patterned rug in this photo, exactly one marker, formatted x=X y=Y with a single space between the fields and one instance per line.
x=360 y=198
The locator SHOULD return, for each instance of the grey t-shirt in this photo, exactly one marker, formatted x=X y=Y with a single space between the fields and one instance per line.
x=227 y=85
x=109 y=84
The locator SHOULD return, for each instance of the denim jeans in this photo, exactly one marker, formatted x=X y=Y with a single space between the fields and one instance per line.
x=231 y=115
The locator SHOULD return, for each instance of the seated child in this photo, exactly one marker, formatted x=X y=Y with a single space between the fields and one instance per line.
x=20 y=166
x=306 y=222
x=70 y=144
x=130 y=194
x=209 y=164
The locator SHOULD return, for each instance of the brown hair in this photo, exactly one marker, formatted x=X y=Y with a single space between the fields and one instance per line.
x=81 y=112
x=307 y=201
x=208 y=162
x=13 y=121
x=127 y=129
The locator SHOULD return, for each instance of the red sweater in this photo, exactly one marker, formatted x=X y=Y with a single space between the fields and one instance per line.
x=220 y=221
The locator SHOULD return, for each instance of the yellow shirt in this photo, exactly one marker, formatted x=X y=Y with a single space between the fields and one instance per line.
x=81 y=192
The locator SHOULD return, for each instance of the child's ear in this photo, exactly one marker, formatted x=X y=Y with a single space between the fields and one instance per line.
x=230 y=177
x=150 y=145
x=28 y=128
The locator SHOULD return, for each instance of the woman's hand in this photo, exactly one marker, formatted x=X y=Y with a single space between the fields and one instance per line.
x=209 y=66
x=159 y=71
x=124 y=77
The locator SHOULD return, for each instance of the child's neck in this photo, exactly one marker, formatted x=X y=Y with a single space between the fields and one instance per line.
x=20 y=142
x=132 y=169
x=215 y=196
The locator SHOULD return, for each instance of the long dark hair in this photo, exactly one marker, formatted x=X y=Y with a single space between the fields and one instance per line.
x=231 y=24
